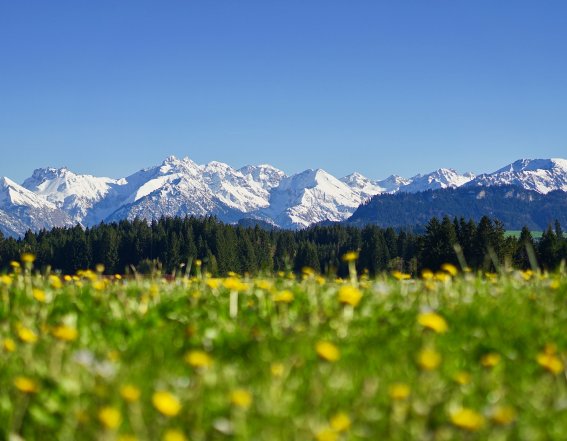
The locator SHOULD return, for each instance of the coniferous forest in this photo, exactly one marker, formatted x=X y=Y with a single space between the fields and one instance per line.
x=173 y=244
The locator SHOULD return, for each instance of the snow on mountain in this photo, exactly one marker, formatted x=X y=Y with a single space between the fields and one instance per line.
x=22 y=210
x=75 y=194
x=264 y=174
x=541 y=175
x=441 y=178
x=310 y=197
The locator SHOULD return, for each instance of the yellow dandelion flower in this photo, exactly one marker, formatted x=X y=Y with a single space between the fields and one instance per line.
x=327 y=351
x=467 y=419
x=349 y=295
x=9 y=345
x=198 y=359
x=432 y=320
x=442 y=276
x=117 y=276
x=550 y=362
x=400 y=276
x=26 y=385
x=213 y=283
x=39 y=295
x=285 y=296
x=429 y=359
x=490 y=360
x=99 y=268
x=351 y=256
x=166 y=403
x=265 y=285
x=399 y=391
x=277 y=369
x=462 y=378
x=130 y=393
x=503 y=415
x=110 y=417
x=5 y=280
x=234 y=284
x=55 y=282
x=340 y=422
x=327 y=434
x=241 y=398
x=26 y=335
x=450 y=268
x=65 y=333
x=15 y=265
x=28 y=258
x=427 y=274
x=174 y=435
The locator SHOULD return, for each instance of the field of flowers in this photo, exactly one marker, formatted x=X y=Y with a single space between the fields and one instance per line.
x=446 y=356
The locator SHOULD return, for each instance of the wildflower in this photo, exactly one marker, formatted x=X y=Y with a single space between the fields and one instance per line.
x=241 y=398
x=503 y=415
x=462 y=378
x=234 y=284
x=490 y=360
x=549 y=361
x=198 y=262
x=450 y=268
x=432 y=320
x=308 y=271
x=5 y=280
x=117 y=276
x=39 y=295
x=28 y=258
x=399 y=391
x=442 y=276
x=198 y=359
x=340 y=422
x=99 y=268
x=174 y=435
x=130 y=393
x=26 y=385
x=110 y=417
x=400 y=276
x=265 y=285
x=277 y=369
x=351 y=256
x=65 y=333
x=427 y=274
x=327 y=434
x=166 y=403
x=213 y=283
x=15 y=265
x=285 y=296
x=349 y=295
x=467 y=419
x=327 y=351
x=26 y=334
x=429 y=359
x=9 y=345
x=55 y=282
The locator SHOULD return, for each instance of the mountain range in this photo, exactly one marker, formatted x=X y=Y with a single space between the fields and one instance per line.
x=53 y=197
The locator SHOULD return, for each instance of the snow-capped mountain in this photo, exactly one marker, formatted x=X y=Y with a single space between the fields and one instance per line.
x=541 y=175
x=442 y=178
x=179 y=187
x=21 y=210
x=75 y=194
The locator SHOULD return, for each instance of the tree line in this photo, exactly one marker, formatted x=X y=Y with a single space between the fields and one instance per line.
x=175 y=244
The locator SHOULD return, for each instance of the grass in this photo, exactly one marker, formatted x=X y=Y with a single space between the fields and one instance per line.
x=440 y=358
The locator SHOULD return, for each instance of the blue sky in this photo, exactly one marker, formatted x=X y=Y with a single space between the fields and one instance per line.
x=380 y=87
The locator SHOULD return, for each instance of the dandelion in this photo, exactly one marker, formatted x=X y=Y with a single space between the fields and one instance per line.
x=26 y=335
x=399 y=391
x=15 y=265
x=351 y=256
x=400 y=276
x=9 y=345
x=503 y=415
x=490 y=360
x=234 y=284
x=241 y=398
x=467 y=419
x=55 y=282
x=28 y=258
x=429 y=359
x=130 y=393
x=213 y=283
x=198 y=359
x=174 y=435
x=462 y=378
x=349 y=295
x=285 y=296
x=26 y=385
x=166 y=403
x=549 y=361
x=450 y=268
x=432 y=320
x=277 y=369
x=427 y=274
x=5 y=280
x=327 y=434
x=65 y=333
x=39 y=295
x=340 y=422
x=327 y=351
x=110 y=417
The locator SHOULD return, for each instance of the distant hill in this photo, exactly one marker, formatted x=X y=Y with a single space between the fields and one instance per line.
x=514 y=206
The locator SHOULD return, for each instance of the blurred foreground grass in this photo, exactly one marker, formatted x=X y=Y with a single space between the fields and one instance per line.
x=448 y=356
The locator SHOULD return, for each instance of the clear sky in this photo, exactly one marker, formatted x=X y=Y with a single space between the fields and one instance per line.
x=379 y=87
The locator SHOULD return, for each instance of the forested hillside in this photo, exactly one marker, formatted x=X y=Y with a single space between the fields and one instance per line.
x=175 y=244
